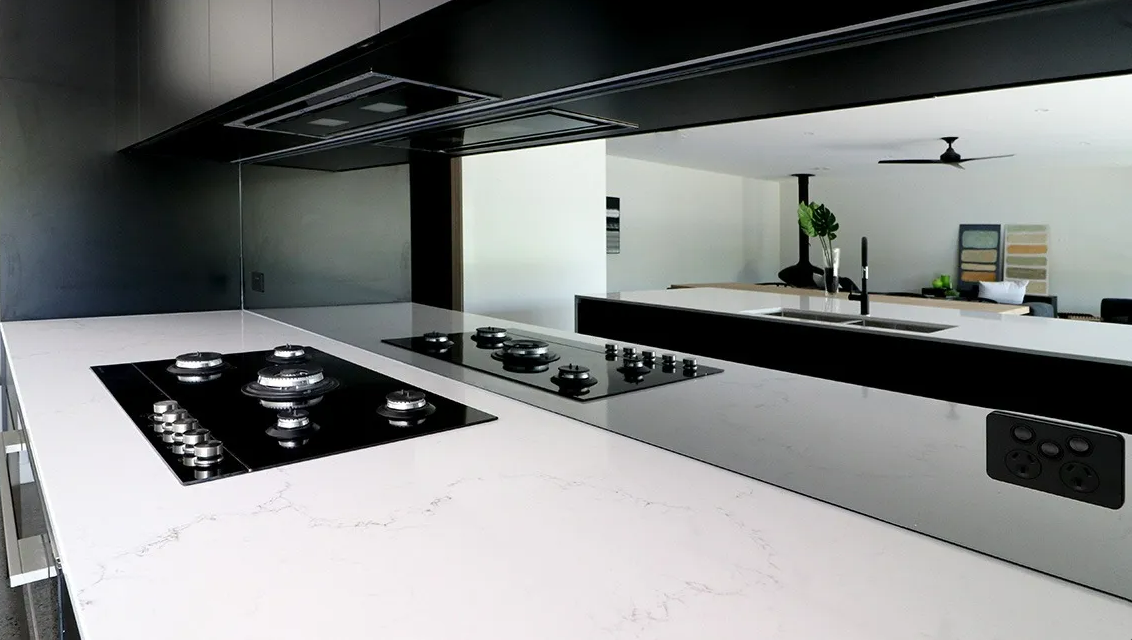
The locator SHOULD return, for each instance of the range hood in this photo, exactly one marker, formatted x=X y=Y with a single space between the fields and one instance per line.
x=475 y=76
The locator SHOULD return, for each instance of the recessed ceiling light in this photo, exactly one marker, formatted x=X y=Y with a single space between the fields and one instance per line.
x=819 y=169
x=328 y=122
x=807 y=133
x=1042 y=110
x=384 y=107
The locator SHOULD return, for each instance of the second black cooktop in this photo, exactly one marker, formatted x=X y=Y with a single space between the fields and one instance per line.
x=566 y=367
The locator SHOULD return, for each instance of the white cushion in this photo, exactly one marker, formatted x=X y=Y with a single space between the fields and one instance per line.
x=1004 y=292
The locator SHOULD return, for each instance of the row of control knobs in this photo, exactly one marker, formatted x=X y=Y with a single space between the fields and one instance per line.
x=648 y=358
x=185 y=436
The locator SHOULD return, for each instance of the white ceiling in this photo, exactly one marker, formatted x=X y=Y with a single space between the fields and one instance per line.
x=1080 y=123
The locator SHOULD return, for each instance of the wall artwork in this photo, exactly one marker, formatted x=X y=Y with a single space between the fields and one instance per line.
x=612 y=225
x=1027 y=256
x=980 y=254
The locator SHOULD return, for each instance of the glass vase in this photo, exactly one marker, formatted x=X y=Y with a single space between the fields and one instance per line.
x=830 y=280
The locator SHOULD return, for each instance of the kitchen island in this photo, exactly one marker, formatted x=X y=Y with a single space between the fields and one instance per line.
x=1041 y=366
x=534 y=525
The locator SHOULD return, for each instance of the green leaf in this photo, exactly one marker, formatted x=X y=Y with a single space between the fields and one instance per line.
x=806 y=219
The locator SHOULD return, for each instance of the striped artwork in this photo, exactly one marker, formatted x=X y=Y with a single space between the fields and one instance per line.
x=1027 y=255
x=980 y=254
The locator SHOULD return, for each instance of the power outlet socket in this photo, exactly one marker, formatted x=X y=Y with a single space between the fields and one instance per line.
x=257 y=281
x=1079 y=463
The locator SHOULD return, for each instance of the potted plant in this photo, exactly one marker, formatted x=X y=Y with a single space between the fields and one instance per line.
x=817 y=221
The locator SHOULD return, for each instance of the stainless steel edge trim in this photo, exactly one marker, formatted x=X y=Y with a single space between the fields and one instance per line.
x=29 y=559
x=657 y=75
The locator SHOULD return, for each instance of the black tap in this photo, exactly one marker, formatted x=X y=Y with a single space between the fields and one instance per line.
x=864 y=295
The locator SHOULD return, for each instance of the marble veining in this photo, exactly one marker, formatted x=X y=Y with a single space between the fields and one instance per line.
x=533 y=526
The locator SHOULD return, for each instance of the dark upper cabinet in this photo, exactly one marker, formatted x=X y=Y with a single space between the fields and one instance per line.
x=397 y=11
x=304 y=31
x=173 y=76
x=240 y=55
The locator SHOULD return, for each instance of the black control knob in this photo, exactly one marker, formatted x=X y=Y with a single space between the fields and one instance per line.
x=610 y=347
x=649 y=355
x=668 y=359
x=629 y=352
x=690 y=364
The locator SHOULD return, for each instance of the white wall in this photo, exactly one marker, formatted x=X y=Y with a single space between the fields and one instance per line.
x=682 y=225
x=912 y=216
x=534 y=231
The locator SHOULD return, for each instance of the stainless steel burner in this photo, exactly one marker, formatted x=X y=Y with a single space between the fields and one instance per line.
x=407 y=407
x=436 y=337
x=574 y=379
x=293 y=419
x=496 y=333
x=291 y=377
x=526 y=348
x=198 y=363
x=288 y=354
x=290 y=382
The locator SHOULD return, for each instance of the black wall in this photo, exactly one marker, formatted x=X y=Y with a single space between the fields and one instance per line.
x=84 y=230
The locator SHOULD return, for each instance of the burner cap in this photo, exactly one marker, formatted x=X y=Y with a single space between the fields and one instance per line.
x=406 y=406
x=290 y=382
x=525 y=348
x=288 y=353
x=290 y=377
x=496 y=333
x=293 y=419
x=436 y=336
x=406 y=400
x=198 y=363
x=574 y=372
x=573 y=378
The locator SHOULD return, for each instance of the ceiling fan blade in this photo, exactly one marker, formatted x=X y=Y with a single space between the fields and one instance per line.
x=957 y=165
x=1011 y=155
x=920 y=161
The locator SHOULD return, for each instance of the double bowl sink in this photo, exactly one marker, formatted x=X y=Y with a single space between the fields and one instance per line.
x=856 y=321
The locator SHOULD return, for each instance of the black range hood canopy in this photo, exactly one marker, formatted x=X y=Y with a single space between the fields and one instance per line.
x=474 y=76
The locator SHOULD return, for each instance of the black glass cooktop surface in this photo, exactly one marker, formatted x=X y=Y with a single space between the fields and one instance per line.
x=348 y=408
x=565 y=367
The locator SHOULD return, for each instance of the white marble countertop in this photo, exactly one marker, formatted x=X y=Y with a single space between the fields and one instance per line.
x=534 y=525
x=1089 y=340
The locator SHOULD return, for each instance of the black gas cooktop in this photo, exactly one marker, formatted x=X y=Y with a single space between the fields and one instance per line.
x=212 y=416
x=566 y=367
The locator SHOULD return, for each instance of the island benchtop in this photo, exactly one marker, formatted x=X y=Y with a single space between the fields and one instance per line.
x=1095 y=341
x=939 y=303
x=534 y=525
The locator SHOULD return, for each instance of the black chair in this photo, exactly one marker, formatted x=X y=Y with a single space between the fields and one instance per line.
x=1117 y=310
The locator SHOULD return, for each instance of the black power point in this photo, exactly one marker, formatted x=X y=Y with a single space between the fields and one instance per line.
x=1023 y=464
x=1079 y=477
x=257 y=281
x=1068 y=460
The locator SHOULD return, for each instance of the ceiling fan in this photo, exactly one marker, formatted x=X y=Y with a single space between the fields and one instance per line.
x=950 y=157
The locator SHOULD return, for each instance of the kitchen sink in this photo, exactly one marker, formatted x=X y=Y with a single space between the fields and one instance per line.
x=899 y=325
x=855 y=321
x=815 y=316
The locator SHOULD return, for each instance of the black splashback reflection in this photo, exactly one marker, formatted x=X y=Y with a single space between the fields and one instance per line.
x=323 y=238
